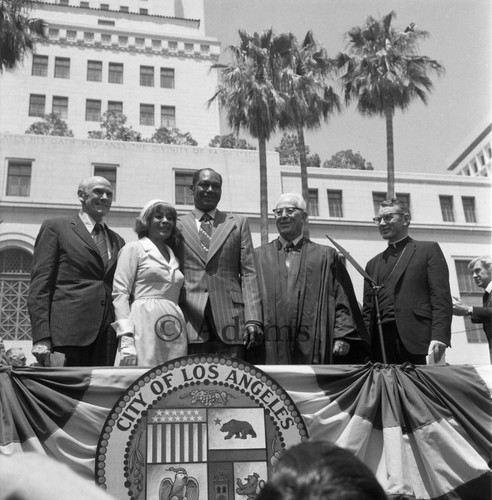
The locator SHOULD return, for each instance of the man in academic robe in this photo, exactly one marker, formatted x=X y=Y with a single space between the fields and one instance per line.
x=309 y=307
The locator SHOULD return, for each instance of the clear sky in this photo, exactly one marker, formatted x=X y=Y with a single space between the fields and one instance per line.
x=425 y=137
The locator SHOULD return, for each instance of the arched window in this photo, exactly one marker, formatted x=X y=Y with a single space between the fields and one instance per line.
x=15 y=269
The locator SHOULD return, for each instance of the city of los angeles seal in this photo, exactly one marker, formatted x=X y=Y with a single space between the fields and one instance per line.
x=199 y=427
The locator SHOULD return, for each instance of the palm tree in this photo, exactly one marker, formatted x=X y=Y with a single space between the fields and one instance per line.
x=248 y=92
x=309 y=98
x=17 y=32
x=383 y=71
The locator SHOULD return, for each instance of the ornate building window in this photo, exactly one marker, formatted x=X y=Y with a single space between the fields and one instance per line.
x=167 y=78
x=92 y=110
x=39 y=65
x=62 y=67
x=15 y=269
x=447 y=208
x=60 y=106
x=37 y=105
x=469 y=209
x=168 y=116
x=94 y=71
x=147 y=114
x=115 y=72
x=19 y=177
x=182 y=183
x=312 y=202
x=335 y=205
x=147 y=76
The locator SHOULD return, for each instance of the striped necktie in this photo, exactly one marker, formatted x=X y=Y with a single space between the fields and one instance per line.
x=205 y=232
x=485 y=298
x=100 y=241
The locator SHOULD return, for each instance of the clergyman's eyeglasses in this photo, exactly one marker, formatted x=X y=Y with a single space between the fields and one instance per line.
x=386 y=218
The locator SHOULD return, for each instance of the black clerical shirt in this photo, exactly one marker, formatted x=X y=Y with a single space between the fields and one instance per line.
x=386 y=277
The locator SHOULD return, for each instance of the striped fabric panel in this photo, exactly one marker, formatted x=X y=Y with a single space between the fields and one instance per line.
x=425 y=432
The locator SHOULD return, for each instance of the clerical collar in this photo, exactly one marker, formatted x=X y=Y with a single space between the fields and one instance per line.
x=294 y=242
x=198 y=213
x=400 y=243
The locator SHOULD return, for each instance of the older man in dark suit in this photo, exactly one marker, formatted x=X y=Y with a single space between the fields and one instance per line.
x=481 y=267
x=221 y=302
x=70 y=292
x=414 y=298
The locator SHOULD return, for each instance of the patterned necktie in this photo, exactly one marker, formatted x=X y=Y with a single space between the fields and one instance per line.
x=485 y=298
x=205 y=232
x=100 y=241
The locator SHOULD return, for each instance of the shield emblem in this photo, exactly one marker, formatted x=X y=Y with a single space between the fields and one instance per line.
x=207 y=428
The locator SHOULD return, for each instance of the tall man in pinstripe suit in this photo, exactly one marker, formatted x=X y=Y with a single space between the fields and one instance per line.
x=221 y=299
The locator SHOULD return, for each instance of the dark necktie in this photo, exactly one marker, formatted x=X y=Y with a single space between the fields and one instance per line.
x=205 y=232
x=100 y=241
x=289 y=247
x=485 y=298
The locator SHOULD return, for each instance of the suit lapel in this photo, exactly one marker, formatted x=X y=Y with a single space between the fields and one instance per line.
x=190 y=235
x=223 y=225
x=79 y=228
x=408 y=252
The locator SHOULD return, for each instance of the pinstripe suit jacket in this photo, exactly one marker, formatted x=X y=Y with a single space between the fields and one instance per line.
x=226 y=277
x=70 y=291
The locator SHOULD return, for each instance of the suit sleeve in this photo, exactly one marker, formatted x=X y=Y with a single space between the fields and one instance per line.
x=440 y=295
x=43 y=280
x=481 y=314
x=124 y=279
x=249 y=278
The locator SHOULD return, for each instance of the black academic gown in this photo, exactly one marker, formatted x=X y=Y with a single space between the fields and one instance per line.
x=300 y=327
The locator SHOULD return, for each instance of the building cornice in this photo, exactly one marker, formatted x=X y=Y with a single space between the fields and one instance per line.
x=380 y=176
x=471 y=147
x=59 y=35
x=78 y=7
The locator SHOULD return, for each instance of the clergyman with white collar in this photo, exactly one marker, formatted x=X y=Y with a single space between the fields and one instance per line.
x=414 y=298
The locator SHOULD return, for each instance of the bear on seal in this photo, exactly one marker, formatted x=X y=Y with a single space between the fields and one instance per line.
x=238 y=429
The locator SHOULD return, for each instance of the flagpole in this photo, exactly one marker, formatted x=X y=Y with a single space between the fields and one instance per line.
x=375 y=293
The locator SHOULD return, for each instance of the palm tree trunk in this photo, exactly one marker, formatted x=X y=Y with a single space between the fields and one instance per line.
x=263 y=191
x=390 y=154
x=304 y=175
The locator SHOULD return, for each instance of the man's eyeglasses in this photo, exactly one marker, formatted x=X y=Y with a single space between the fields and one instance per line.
x=278 y=212
x=386 y=218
